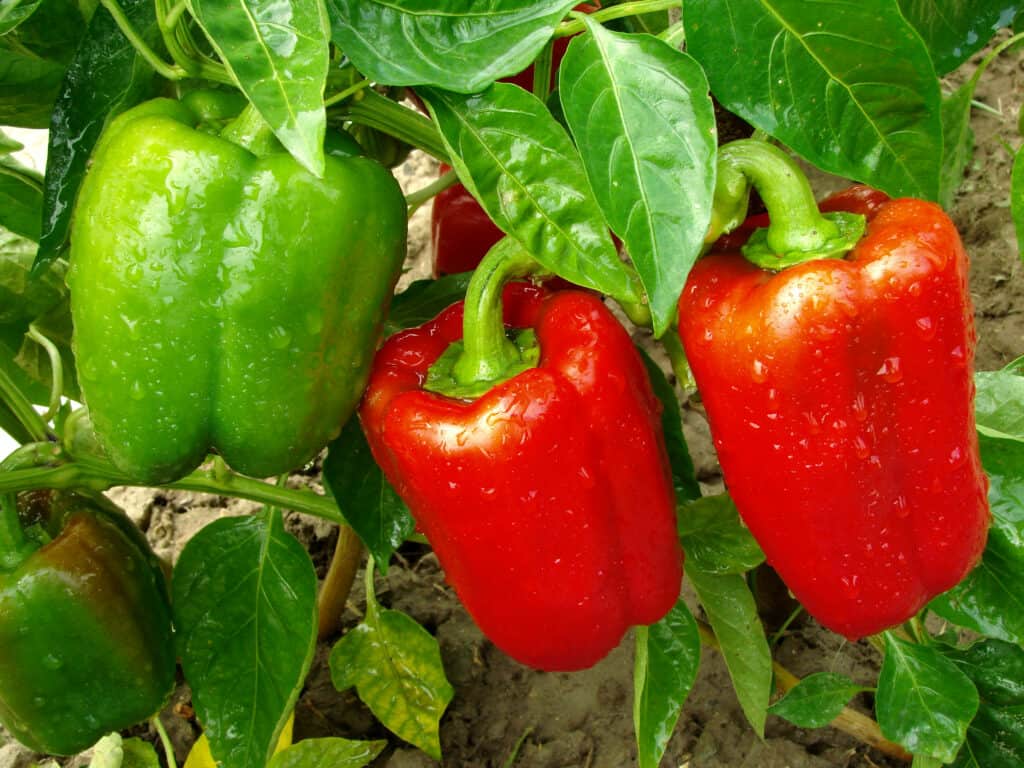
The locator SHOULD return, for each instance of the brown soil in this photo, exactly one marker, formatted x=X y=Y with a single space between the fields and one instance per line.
x=504 y=714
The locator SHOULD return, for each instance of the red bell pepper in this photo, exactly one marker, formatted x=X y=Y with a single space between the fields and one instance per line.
x=839 y=394
x=548 y=498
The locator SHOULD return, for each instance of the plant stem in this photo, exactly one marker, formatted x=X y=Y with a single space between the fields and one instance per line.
x=350 y=91
x=56 y=370
x=98 y=476
x=165 y=740
x=621 y=11
x=849 y=721
x=415 y=199
x=379 y=112
x=488 y=354
x=22 y=408
x=674 y=35
x=12 y=538
x=330 y=603
x=162 y=68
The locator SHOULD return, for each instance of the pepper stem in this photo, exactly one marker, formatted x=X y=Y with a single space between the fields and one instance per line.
x=798 y=232
x=488 y=353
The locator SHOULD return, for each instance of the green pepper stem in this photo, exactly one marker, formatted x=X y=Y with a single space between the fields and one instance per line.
x=165 y=741
x=796 y=223
x=381 y=113
x=487 y=352
x=542 y=72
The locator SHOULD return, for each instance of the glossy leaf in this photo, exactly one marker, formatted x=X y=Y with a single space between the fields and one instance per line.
x=42 y=300
x=334 y=752
x=1017 y=198
x=21 y=199
x=424 y=300
x=245 y=617
x=999 y=404
x=28 y=87
x=665 y=668
x=924 y=702
x=524 y=170
x=954 y=30
x=733 y=615
x=684 y=478
x=458 y=45
x=105 y=77
x=715 y=539
x=991 y=599
x=995 y=738
x=958 y=140
x=850 y=87
x=277 y=51
x=13 y=12
x=642 y=118
x=395 y=666
x=816 y=700
x=370 y=505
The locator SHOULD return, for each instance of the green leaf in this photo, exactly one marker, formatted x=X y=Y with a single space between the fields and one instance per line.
x=665 y=668
x=642 y=118
x=21 y=199
x=995 y=738
x=684 y=478
x=458 y=45
x=733 y=615
x=42 y=300
x=395 y=666
x=520 y=164
x=954 y=30
x=715 y=539
x=424 y=300
x=850 y=87
x=334 y=752
x=999 y=404
x=924 y=702
x=1017 y=198
x=957 y=139
x=277 y=51
x=28 y=87
x=245 y=619
x=365 y=497
x=13 y=12
x=137 y=753
x=991 y=599
x=106 y=76
x=113 y=751
x=816 y=700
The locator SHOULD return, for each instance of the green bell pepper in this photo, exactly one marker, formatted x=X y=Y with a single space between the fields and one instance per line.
x=223 y=297
x=86 y=645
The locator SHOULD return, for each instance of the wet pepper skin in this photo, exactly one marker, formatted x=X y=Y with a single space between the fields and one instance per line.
x=222 y=300
x=840 y=398
x=548 y=499
x=86 y=645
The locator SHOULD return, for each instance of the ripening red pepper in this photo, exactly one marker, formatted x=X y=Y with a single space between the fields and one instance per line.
x=547 y=497
x=839 y=394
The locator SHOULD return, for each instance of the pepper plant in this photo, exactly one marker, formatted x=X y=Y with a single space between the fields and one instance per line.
x=209 y=265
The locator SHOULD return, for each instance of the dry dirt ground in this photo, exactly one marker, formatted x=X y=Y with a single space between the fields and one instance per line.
x=504 y=714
